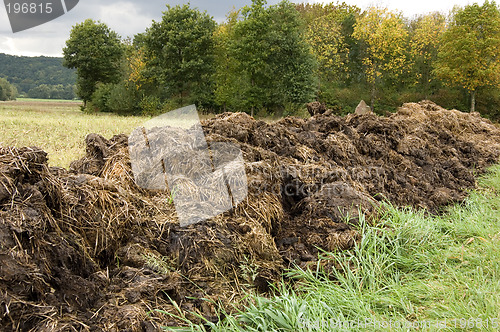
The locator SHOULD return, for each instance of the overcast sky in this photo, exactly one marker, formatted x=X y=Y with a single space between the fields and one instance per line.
x=129 y=17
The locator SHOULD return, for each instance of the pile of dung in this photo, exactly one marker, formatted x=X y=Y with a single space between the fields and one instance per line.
x=89 y=250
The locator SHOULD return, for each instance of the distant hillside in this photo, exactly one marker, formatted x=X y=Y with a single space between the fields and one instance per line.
x=31 y=73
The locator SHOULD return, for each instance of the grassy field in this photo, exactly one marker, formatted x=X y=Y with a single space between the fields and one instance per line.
x=412 y=272
x=33 y=100
x=58 y=127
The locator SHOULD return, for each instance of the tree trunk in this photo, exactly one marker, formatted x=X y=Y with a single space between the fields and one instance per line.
x=427 y=89
x=473 y=101
x=427 y=83
x=252 y=111
x=372 y=102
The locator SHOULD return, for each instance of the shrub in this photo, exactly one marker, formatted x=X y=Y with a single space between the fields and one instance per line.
x=123 y=99
x=101 y=98
x=151 y=106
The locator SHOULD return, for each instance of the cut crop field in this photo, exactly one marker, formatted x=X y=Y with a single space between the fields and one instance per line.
x=346 y=219
x=57 y=127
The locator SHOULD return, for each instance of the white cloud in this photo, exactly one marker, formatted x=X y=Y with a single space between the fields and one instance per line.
x=125 y=18
x=410 y=8
x=4 y=21
x=48 y=39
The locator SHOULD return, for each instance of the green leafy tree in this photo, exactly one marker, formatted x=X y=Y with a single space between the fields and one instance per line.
x=230 y=84
x=385 y=38
x=251 y=49
x=469 y=53
x=179 y=52
x=271 y=48
x=96 y=53
x=7 y=90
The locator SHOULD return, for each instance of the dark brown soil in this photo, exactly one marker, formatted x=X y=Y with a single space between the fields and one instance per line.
x=88 y=250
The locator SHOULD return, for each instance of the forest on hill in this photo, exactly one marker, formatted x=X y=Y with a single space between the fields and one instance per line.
x=38 y=77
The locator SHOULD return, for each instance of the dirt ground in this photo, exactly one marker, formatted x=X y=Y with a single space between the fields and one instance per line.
x=88 y=250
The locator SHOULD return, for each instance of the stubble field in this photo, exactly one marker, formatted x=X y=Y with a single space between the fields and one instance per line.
x=57 y=127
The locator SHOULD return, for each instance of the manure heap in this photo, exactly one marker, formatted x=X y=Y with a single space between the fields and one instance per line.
x=86 y=249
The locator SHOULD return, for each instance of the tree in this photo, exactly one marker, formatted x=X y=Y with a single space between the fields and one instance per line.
x=329 y=32
x=230 y=84
x=271 y=48
x=426 y=32
x=180 y=53
x=96 y=53
x=328 y=45
x=7 y=90
x=469 y=55
x=385 y=38
x=291 y=58
x=136 y=68
x=251 y=49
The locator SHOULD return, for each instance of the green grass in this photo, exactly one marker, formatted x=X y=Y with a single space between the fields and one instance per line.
x=57 y=128
x=442 y=272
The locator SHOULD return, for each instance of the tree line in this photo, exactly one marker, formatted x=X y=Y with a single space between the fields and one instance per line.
x=274 y=59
